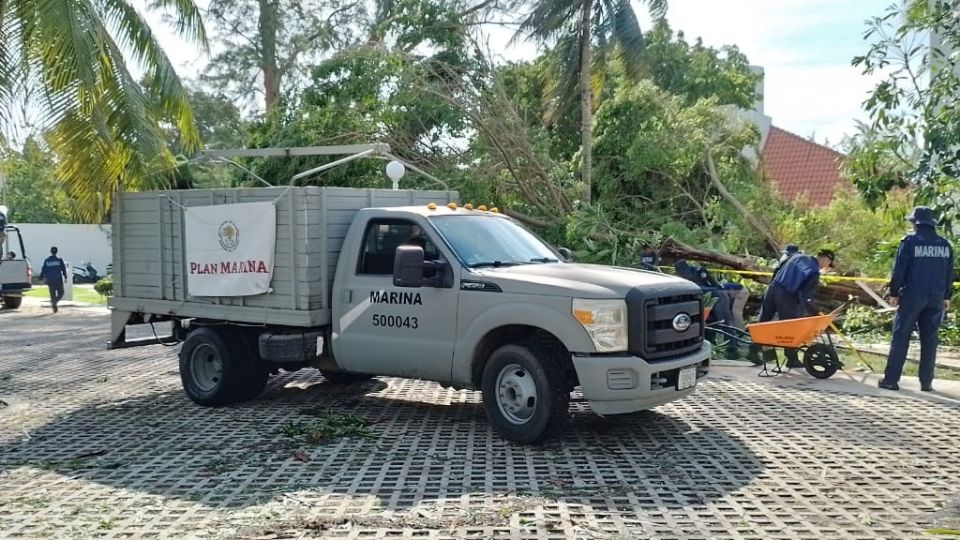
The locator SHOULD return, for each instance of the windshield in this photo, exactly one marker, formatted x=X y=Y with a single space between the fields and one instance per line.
x=492 y=241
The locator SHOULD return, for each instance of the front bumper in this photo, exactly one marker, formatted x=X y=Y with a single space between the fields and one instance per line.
x=624 y=384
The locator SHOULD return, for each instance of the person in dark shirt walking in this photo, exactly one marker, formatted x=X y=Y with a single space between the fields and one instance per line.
x=792 y=294
x=53 y=273
x=920 y=287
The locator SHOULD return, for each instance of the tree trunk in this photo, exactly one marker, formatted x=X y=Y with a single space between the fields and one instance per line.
x=752 y=219
x=834 y=291
x=268 y=26
x=678 y=250
x=586 y=102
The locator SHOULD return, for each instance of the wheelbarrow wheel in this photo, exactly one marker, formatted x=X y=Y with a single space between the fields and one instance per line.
x=821 y=360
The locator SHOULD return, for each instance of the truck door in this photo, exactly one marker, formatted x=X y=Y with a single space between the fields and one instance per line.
x=387 y=330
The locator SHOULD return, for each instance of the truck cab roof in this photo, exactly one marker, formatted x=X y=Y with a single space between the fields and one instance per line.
x=436 y=209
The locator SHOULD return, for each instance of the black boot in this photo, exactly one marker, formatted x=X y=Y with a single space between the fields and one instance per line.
x=888 y=385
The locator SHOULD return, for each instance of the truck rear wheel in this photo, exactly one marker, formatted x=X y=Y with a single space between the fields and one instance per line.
x=524 y=393
x=217 y=367
x=12 y=302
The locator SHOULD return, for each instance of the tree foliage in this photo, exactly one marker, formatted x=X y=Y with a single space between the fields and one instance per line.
x=268 y=45
x=575 y=29
x=486 y=129
x=915 y=124
x=30 y=187
x=69 y=61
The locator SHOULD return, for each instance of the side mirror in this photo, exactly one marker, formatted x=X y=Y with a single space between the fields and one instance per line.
x=408 y=266
x=565 y=253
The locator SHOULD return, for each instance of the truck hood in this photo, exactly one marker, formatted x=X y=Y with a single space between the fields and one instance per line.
x=576 y=280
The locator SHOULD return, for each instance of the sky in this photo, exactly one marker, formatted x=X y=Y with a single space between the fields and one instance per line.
x=804 y=46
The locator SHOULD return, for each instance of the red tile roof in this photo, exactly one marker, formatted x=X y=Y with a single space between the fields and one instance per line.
x=797 y=167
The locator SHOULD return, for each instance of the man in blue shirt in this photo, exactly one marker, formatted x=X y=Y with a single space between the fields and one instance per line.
x=792 y=293
x=788 y=253
x=920 y=287
x=54 y=272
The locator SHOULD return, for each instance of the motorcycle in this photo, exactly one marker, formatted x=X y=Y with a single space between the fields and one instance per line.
x=85 y=273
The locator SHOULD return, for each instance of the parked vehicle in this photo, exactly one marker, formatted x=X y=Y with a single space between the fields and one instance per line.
x=371 y=282
x=85 y=273
x=16 y=275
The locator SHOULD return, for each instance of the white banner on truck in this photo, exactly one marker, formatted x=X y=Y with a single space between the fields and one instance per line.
x=230 y=248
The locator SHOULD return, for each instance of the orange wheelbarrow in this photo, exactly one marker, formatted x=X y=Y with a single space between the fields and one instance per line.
x=807 y=334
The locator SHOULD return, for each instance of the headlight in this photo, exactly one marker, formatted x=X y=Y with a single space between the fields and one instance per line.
x=605 y=321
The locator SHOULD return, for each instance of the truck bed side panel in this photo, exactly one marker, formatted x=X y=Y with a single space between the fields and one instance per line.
x=149 y=251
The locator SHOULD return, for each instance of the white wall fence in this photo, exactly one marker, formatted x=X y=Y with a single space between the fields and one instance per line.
x=75 y=243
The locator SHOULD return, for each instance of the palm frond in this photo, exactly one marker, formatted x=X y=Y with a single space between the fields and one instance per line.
x=97 y=117
x=9 y=31
x=61 y=41
x=549 y=20
x=188 y=19
x=563 y=83
x=658 y=9
x=628 y=37
x=170 y=97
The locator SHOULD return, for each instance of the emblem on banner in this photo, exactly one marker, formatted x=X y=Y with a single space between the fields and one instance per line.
x=229 y=235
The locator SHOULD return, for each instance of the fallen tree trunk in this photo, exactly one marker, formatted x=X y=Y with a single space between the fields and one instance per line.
x=837 y=291
x=673 y=249
x=678 y=250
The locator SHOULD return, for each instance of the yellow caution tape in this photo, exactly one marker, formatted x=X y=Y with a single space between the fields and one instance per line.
x=822 y=277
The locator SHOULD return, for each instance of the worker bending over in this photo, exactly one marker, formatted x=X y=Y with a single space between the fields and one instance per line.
x=792 y=293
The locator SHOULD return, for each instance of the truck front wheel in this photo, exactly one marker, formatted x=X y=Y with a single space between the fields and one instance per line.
x=216 y=368
x=524 y=393
x=12 y=302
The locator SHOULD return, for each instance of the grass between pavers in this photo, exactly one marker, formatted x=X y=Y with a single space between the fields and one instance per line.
x=84 y=295
x=910 y=369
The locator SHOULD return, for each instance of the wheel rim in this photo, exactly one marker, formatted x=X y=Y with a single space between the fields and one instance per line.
x=820 y=362
x=206 y=367
x=516 y=394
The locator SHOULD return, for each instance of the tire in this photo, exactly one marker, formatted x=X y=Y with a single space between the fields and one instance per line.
x=217 y=367
x=339 y=377
x=12 y=302
x=821 y=360
x=525 y=392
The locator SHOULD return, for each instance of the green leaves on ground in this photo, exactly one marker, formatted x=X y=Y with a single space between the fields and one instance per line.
x=326 y=426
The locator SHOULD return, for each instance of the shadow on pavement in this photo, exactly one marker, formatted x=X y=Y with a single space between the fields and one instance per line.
x=163 y=444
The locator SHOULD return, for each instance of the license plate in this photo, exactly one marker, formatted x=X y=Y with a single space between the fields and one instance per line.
x=688 y=378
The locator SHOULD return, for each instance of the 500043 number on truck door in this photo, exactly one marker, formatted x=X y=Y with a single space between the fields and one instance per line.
x=396 y=321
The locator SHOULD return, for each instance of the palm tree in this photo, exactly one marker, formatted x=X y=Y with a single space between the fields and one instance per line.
x=575 y=28
x=66 y=61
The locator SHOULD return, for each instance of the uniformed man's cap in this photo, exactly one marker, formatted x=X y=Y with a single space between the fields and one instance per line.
x=923 y=215
x=791 y=248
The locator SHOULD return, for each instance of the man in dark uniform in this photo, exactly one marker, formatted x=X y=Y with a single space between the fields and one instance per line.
x=54 y=272
x=792 y=293
x=920 y=287
x=788 y=253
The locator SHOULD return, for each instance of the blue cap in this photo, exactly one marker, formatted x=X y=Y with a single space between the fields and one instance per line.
x=923 y=215
x=791 y=248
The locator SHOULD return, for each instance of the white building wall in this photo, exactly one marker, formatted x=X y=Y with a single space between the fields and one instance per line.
x=76 y=244
x=755 y=116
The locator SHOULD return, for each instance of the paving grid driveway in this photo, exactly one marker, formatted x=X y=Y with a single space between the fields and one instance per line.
x=104 y=444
